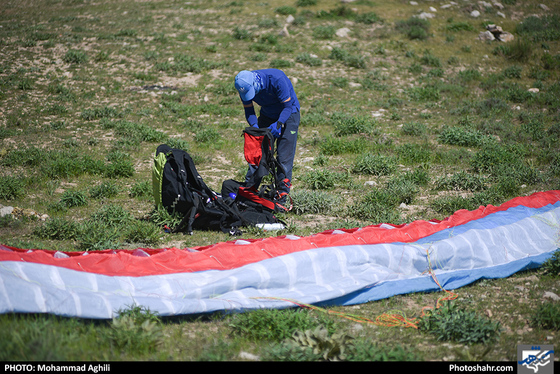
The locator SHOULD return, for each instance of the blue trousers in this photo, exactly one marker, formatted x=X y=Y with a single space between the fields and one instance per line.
x=285 y=147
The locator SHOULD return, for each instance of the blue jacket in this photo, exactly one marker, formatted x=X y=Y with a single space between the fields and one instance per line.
x=276 y=97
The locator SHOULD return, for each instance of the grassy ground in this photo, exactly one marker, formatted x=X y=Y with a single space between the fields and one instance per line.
x=402 y=119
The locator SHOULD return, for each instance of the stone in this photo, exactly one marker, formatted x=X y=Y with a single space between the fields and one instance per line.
x=494 y=29
x=426 y=15
x=343 y=32
x=6 y=210
x=284 y=32
x=248 y=356
x=475 y=14
x=551 y=295
x=498 y=5
x=499 y=33
x=506 y=37
x=486 y=35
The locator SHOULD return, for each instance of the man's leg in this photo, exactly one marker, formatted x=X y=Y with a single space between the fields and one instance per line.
x=286 y=148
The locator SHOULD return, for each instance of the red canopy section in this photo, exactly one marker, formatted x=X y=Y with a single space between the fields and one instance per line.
x=234 y=254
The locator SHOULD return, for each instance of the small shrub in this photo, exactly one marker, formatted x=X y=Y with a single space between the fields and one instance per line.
x=141 y=189
x=552 y=265
x=462 y=137
x=341 y=11
x=539 y=29
x=404 y=189
x=65 y=164
x=303 y=3
x=324 y=32
x=491 y=106
x=95 y=235
x=12 y=187
x=518 y=94
x=521 y=50
x=448 y=205
x=328 y=347
x=241 y=34
x=98 y=113
x=534 y=128
x=356 y=61
x=513 y=72
x=372 y=164
x=119 y=169
x=411 y=154
x=136 y=330
x=25 y=83
x=143 y=232
x=30 y=156
x=348 y=58
x=279 y=63
x=554 y=165
x=314 y=202
x=286 y=10
x=368 y=18
x=339 y=54
x=335 y=146
x=429 y=59
x=207 y=135
x=348 y=125
x=504 y=161
x=112 y=215
x=469 y=75
x=549 y=62
x=452 y=323
x=75 y=57
x=277 y=325
x=71 y=199
x=161 y=217
x=323 y=179
x=178 y=143
x=547 y=316
x=461 y=181
x=306 y=59
x=377 y=206
x=414 y=128
x=459 y=26
x=267 y=23
x=104 y=190
x=186 y=63
x=425 y=93
x=57 y=229
x=414 y=28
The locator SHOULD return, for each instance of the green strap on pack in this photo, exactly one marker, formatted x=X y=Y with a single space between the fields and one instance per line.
x=157 y=176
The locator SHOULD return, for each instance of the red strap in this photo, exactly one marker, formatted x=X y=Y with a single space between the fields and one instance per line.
x=250 y=194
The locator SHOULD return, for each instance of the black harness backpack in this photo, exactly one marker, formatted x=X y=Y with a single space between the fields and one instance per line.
x=178 y=187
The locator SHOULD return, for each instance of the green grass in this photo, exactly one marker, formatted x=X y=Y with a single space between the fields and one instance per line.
x=403 y=119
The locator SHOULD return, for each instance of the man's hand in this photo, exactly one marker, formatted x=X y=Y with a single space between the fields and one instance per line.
x=276 y=129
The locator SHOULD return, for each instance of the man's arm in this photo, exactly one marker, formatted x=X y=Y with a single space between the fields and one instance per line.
x=250 y=114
